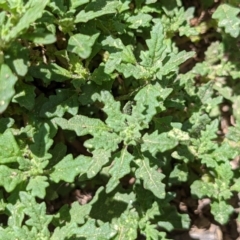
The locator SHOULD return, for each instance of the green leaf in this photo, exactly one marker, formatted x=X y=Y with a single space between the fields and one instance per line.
x=173 y=63
x=219 y=189
x=221 y=211
x=10 y=151
x=82 y=125
x=7 y=82
x=201 y=189
x=224 y=172
x=65 y=232
x=152 y=179
x=152 y=233
x=236 y=185
x=179 y=174
x=17 y=214
x=96 y=9
x=103 y=137
x=121 y=167
x=78 y=3
x=139 y=20
x=234 y=132
x=58 y=8
x=120 y=53
x=10 y=178
x=36 y=213
x=79 y=212
x=126 y=225
x=107 y=207
x=37 y=185
x=32 y=13
x=64 y=101
x=155 y=142
x=68 y=168
x=155 y=46
x=25 y=96
x=91 y=88
x=179 y=134
x=99 y=159
x=40 y=36
x=104 y=140
x=50 y=72
x=99 y=75
x=170 y=219
x=227 y=17
x=151 y=97
x=16 y=57
x=115 y=119
x=82 y=44
x=58 y=153
x=22 y=233
x=4 y=124
x=42 y=143
x=90 y=231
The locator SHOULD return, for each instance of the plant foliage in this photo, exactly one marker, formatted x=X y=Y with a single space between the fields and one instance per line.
x=96 y=96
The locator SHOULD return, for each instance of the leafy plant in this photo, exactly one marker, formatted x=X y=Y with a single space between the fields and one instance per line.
x=98 y=96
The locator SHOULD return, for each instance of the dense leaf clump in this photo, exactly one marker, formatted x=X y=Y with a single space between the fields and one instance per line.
x=109 y=109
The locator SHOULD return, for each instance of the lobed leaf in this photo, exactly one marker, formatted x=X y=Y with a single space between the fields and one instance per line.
x=155 y=142
x=4 y=124
x=152 y=179
x=126 y=226
x=115 y=119
x=99 y=159
x=33 y=11
x=227 y=17
x=10 y=152
x=25 y=96
x=37 y=185
x=42 y=143
x=82 y=125
x=173 y=63
x=49 y=72
x=96 y=9
x=90 y=231
x=82 y=44
x=151 y=97
x=64 y=101
x=120 y=167
x=68 y=168
x=10 y=178
x=221 y=211
x=7 y=82
x=170 y=219
x=37 y=214
x=77 y=3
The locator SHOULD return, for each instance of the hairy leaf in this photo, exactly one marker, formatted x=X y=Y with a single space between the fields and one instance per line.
x=68 y=168
x=32 y=13
x=38 y=186
x=10 y=152
x=7 y=82
x=82 y=44
x=82 y=125
x=10 y=178
x=64 y=101
x=158 y=142
x=25 y=96
x=227 y=16
x=120 y=167
x=95 y=9
x=151 y=178
x=221 y=211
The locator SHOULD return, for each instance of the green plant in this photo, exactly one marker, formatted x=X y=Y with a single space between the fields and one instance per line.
x=96 y=95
